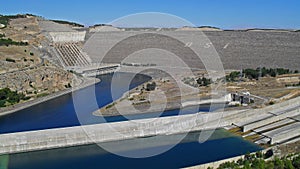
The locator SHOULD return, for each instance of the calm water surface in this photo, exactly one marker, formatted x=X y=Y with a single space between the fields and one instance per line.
x=60 y=112
x=188 y=153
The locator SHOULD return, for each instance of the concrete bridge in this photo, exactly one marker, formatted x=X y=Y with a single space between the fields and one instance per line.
x=96 y=69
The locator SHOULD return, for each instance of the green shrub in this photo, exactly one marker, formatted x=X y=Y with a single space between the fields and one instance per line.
x=271 y=103
x=10 y=60
x=7 y=42
x=233 y=76
x=151 y=86
x=12 y=97
x=204 y=81
x=268 y=154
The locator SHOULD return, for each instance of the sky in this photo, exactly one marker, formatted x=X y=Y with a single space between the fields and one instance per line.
x=226 y=14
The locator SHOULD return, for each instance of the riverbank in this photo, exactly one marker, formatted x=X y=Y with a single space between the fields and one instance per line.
x=170 y=93
x=278 y=151
x=81 y=83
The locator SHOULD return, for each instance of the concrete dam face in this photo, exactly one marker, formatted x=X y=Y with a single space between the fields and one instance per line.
x=237 y=49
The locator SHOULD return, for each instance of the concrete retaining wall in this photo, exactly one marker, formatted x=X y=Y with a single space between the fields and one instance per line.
x=67 y=36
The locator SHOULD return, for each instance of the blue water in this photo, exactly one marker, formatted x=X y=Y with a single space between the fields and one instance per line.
x=60 y=111
x=188 y=153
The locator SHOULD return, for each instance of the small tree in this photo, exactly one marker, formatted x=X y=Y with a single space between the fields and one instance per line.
x=268 y=154
x=296 y=162
x=151 y=86
x=278 y=163
x=204 y=81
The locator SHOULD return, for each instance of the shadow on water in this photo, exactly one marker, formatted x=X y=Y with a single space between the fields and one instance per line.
x=189 y=152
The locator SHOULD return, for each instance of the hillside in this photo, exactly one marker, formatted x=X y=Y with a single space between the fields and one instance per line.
x=22 y=66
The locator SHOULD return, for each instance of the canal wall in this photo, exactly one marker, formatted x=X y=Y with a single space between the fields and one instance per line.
x=105 y=132
x=81 y=135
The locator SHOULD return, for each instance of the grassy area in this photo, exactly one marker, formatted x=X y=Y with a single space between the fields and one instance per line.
x=253 y=137
x=236 y=131
x=42 y=95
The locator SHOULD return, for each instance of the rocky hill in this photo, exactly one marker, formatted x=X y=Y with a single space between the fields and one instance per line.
x=22 y=67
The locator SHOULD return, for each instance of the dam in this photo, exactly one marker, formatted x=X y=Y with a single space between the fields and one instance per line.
x=237 y=49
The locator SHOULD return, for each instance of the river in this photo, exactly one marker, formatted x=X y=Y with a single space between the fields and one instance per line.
x=60 y=112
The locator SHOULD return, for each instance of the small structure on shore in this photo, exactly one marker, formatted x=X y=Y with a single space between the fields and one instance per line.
x=243 y=98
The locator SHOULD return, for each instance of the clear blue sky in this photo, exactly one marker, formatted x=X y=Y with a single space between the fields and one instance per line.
x=229 y=14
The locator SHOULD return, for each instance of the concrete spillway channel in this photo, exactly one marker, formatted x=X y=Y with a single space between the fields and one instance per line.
x=279 y=123
x=273 y=125
x=284 y=133
x=271 y=119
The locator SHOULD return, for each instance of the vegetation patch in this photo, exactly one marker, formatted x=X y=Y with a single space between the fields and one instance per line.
x=4 y=19
x=110 y=106
x=258 y=161
x=204 y=81
x=259 y=72
x=8 y=97
x=68 y=23
x=10 y=60
x=7 y=42
x=151 y=86
x=42 y=95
